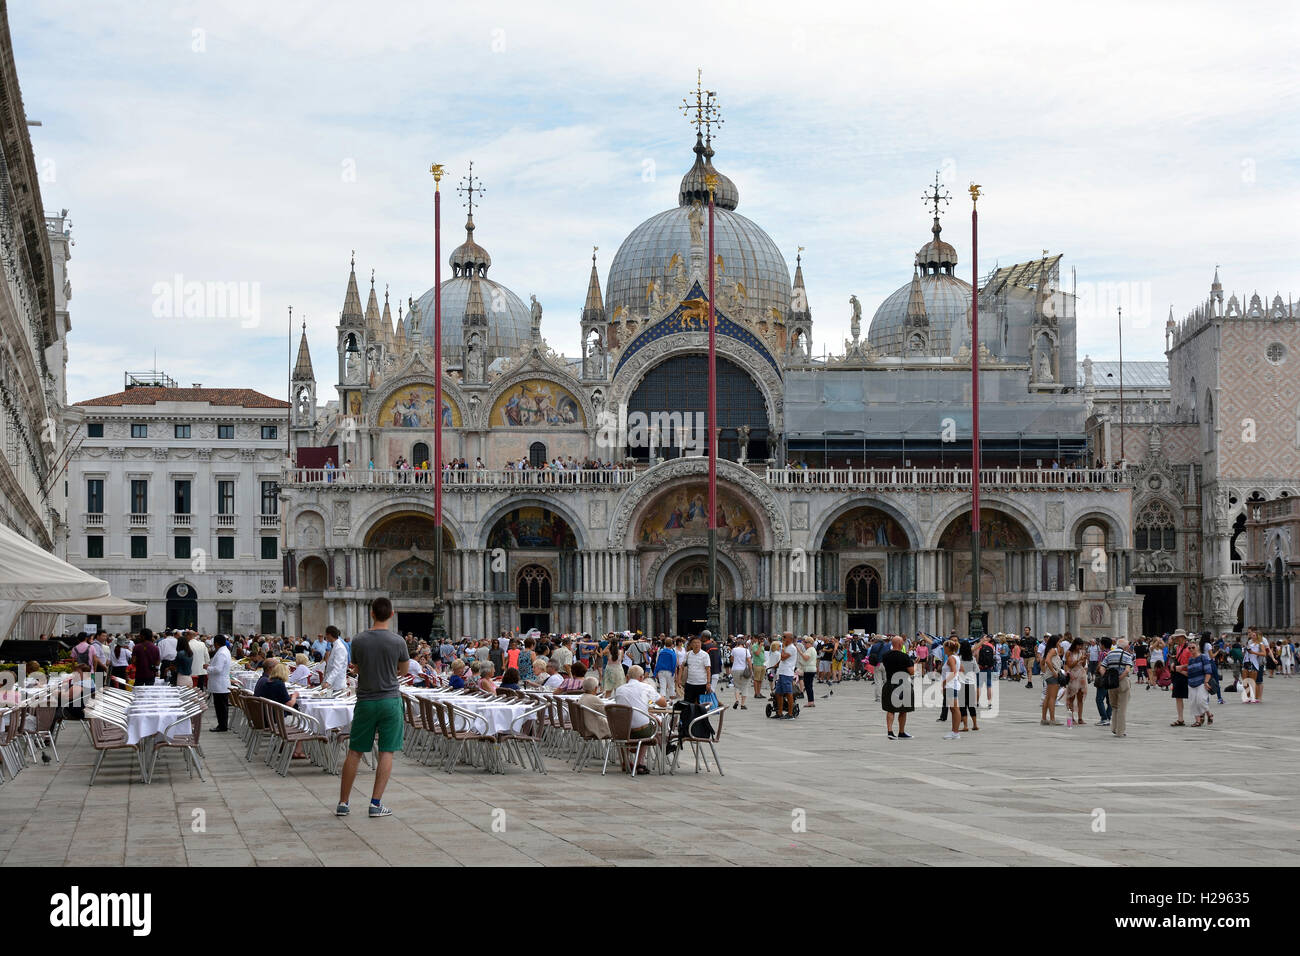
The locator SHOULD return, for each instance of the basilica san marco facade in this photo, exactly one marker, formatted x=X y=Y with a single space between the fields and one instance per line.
x=843 y=482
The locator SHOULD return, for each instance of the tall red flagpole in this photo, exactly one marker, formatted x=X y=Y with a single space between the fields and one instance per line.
x=438 y=629
x=975 y=626
x=713 y=614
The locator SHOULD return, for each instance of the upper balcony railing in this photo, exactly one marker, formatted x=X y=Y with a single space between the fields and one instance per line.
x=458 y=479
x=1021 y=478
x=596 y=478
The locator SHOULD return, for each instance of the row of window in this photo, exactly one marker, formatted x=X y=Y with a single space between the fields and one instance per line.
x=181 y=549
x=141 y=430
x=181 y=488
x=225 y=621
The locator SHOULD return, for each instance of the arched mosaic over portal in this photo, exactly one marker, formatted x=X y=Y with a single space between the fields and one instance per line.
x=998 y=532
x=864 y=529
x=532 y=528
x=684 y=512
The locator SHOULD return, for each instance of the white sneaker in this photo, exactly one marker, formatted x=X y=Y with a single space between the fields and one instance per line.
x=951 y=736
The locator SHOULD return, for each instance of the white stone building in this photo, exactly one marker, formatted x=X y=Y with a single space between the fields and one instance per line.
x=174 y=500
x=33 y=328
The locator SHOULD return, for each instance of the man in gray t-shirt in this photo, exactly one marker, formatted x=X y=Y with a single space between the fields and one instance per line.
x=377 y=719
x=377 y=652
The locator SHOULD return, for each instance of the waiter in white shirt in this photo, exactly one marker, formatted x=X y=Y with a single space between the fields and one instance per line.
x=219 y=683
x=336 y=661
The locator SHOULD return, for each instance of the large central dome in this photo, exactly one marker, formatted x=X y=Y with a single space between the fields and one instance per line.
x=749 y=256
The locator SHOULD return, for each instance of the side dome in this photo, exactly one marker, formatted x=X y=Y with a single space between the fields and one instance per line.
x=509 y=320
x=947 y=306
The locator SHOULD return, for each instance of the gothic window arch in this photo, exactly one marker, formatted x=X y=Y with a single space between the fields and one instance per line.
x=1154 y=529
x=862 y=589
x=537 y=454
x=533 y=588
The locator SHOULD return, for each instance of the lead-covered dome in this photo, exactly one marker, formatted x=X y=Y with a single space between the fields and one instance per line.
x=749 y=256
x=509 y=321
x=927 y=316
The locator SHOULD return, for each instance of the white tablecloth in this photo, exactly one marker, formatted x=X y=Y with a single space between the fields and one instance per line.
x=335 y=713
x=144 y=720
x=247 y=679
x=501 y=715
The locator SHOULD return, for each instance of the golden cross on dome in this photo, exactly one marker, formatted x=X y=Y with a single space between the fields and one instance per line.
x=935 y=197
x=470 y=188
x=707 y=116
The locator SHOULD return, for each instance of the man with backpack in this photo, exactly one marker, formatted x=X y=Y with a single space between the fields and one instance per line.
x=874 y=655
x=1028 y=654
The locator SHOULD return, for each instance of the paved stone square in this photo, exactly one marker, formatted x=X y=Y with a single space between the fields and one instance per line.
x=1013 y=793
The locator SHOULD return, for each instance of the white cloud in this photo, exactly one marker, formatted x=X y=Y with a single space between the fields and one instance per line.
x=1147 y=142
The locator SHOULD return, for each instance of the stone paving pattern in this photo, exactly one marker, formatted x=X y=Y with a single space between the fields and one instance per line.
x=1013 y=793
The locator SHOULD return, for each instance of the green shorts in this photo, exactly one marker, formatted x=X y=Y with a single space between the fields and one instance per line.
x=383 y=717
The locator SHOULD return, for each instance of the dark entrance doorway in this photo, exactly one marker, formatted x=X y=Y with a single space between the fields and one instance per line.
x=692 y=613
x=182 y=607
x=530 y=620
x=1159 y=608
x=863 y=620
x=418 y=623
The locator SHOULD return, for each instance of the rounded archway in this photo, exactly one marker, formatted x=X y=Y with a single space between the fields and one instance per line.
x=405 y=543
x=680 y=383
x=182 y=606
x=1007 y=567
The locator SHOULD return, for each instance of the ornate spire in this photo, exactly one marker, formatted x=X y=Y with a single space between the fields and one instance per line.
x=372 y=309
x=936 y=255
x=593 y=310
x=352 y=314
x=799 y=294
x=399 y=333
x=386 y=320
x=705 y=116
x=302 y=370
x=475 y=311
x=469 y=258
x=916 y=314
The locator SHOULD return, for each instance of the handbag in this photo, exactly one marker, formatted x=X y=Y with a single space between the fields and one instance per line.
x=708 y=700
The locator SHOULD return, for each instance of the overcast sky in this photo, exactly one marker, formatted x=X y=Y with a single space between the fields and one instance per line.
x=259 y=143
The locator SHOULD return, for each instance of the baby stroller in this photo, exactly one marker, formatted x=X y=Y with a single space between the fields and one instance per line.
x=770 y=710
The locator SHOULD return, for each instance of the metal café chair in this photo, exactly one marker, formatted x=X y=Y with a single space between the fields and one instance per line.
x=619 y=717
x=691 y=737
x=289 y=728
x=109 y=732
x=187 y=744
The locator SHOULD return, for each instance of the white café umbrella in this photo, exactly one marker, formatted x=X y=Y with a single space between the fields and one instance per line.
x=30 y=574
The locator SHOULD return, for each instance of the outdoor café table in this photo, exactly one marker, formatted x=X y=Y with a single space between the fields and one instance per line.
x=247 y=679
x=334 y=713
x=502 y=716
x=152 y=713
